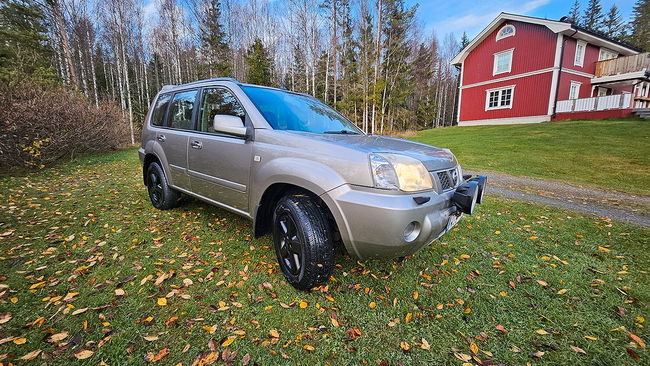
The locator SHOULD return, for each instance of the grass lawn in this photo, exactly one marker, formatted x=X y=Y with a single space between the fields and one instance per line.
x=610 y=154
x=89 y=269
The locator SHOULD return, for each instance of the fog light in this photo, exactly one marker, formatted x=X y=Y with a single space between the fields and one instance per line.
x=465 y=196
x=411 y=231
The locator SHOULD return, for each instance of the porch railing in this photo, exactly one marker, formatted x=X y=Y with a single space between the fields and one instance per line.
x=623 y=65
x=616 y=101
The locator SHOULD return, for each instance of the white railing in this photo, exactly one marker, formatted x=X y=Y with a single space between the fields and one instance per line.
x=617 y=101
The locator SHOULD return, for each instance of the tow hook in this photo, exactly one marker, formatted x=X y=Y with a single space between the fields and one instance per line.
x=468 y=194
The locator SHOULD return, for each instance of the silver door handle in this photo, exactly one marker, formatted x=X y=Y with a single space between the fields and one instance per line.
x=161 y=138
x=196 y=145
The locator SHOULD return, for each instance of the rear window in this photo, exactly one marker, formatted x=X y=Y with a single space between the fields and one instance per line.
x=181 y=110
x=158 y=115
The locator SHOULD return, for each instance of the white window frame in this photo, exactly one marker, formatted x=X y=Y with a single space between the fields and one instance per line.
x=577 y=84
x=579 y=59
x=606 y=52
x=496 y=59
x=514 y=30
x=500 y=92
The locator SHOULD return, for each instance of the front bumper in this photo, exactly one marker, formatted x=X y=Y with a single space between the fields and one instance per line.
x=374 y=223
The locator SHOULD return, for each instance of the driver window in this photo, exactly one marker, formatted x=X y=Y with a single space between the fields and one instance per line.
x=218 y=101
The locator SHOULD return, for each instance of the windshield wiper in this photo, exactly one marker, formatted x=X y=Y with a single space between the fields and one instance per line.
x=341 y=132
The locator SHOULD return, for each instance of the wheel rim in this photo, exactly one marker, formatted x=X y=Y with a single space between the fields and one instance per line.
x=290 y=246
x=155 y=188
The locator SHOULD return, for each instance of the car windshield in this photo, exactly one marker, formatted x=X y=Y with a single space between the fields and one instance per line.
x=288 y=111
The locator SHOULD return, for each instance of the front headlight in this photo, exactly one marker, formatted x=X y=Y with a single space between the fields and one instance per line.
x=394 y=171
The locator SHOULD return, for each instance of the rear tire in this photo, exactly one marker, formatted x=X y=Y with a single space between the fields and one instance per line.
x=303 y=241
x=162 y=196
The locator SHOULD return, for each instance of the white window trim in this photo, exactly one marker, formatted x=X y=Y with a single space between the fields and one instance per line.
x=579 y=84
x=580 y=61
x=500 y=89
x=496 y=57
x=604 y=50
x=514 y=31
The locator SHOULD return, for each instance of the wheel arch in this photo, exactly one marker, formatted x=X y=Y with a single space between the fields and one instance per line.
x=263 y=217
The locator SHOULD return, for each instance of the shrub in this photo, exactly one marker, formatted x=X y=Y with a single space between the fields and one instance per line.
x=40 y=124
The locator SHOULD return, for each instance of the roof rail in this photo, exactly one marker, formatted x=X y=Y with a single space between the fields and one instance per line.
x=214 y=79
x=167 y=87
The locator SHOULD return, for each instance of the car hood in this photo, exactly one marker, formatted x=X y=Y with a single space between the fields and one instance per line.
x=433 y=158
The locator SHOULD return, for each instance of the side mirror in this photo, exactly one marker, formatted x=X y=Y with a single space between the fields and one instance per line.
x=231 y=125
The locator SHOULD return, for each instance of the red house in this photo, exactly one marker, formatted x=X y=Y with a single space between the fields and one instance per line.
x=522 y=69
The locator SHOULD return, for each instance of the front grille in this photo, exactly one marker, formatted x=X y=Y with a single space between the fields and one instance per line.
x=447 y=179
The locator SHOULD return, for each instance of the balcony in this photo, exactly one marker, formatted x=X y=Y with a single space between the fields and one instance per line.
x=607 y=102
x=622 y=68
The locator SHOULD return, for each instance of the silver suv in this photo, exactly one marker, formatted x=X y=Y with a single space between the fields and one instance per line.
x=302 y=172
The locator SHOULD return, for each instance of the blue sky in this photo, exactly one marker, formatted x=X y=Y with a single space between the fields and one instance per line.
x=456 y=16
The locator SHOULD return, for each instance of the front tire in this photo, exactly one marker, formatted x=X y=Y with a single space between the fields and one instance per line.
x=162 y=196
x=303 y=241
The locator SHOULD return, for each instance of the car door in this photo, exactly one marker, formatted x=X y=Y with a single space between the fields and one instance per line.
x=219 y=164
x=175 y=135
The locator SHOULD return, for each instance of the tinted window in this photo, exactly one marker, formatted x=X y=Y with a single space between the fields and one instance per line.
x=180 y=113
x=289 y=111
x=218 y=101
x=158 y=115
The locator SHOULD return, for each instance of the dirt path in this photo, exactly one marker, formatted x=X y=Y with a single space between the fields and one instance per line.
x=603 y=203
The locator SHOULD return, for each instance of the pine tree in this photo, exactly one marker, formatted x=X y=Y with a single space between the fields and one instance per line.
x=640 y=32
x=424 y=93
x=349 y=61
x=213 y=40
x=613 y=24
x=574 y=13
x=24 y=49
x=259 y=64
x=593 y=16
x=464 y=41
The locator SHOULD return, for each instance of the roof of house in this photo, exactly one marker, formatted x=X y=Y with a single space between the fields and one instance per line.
x=556 y=26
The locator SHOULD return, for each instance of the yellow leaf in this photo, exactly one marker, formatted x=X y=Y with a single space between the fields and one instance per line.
x=274 y=333
x=473 y=347
x=228 y=342
x=37 y=285
x=591 y=338
x=83 y=354
x=543 y=283
x=119 y=292
x=639 y=319
x=335 y=322
x=408 y=317
x=503 y=293
x=404 y=345
x=267 y=308
x=415 y=295
x=20 y=340
x=533 y=237
x=562 y=291
x=603 y=249
x=208 y=328
x=14 y=300
x=308 y=347
x=541 y=331
x=162 y=301
x=150 y=338
x=372 y=304
x=465 y=256
x=467 y=311
x=303 y=304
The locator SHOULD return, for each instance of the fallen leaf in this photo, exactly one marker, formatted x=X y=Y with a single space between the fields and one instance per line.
x=119 y=292
x=151 y=357
x=592 y=338
x=578 y=350
x=31 y=355
x=308 y=347
x=425 y=345
x=562 y=291
x=274 y=333
x=473 y=347
x=541 y=331
x=20 y=340
x=83 y=354
x=408 y=317
x=404 y=346
x=150 y=338
x=79 y=311
x=228 y=342
x=501 y=328
x=372 y=304
x=5 y=318
x=206 y=359
x=171 y=320
x=538 y=354
x=542 y=282
x=58 y=337
x=603 y=249
x=637 y=339
x=162 y=301
x=303 y=304
x=632 y=354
